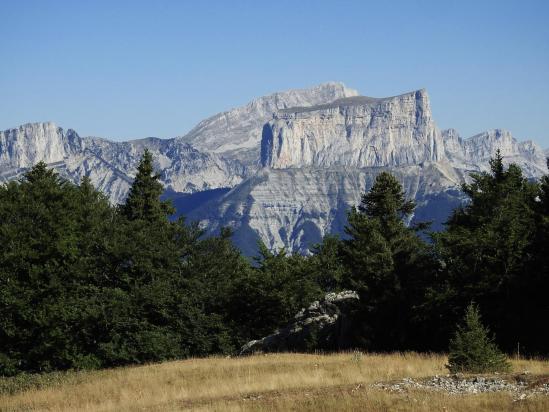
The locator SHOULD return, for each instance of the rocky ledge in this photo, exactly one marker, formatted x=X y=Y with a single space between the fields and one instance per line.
x=324 y=325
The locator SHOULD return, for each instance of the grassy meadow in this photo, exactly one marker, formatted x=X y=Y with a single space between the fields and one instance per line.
x=278 y=382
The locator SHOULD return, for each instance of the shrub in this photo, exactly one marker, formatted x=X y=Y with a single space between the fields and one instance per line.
x=472 y=350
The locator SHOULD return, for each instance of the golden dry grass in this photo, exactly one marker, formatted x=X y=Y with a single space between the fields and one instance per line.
x=279 y=382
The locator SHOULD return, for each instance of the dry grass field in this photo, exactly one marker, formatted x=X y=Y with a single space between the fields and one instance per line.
x=280 y=382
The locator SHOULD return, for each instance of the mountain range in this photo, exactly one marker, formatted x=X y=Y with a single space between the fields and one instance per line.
x=286 y=167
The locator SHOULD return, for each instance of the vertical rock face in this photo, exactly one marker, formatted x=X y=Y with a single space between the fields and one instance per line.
x=34 y=142
x=237 y=132
x=355 y=132
x=318 y=161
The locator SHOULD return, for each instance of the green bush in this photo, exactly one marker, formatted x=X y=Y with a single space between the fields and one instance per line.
x=472 y=350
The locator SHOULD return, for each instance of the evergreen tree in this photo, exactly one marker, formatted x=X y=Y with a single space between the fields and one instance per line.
x=387 y=263
x=143 y=201
x=82 y=286
x=326 y=264
x=273 y=292
x=472 y=350
x=487 y=251
x=544 y=193
x=147 y=266
x=386 y=201
x=216 y=271
x=534 y=281
x=52 y=234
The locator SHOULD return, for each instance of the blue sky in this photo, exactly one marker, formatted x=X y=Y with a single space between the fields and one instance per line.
x=141 y=68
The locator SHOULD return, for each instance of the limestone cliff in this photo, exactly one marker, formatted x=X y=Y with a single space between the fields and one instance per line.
x=237 y=133
x=354 y=132
x=112 y=165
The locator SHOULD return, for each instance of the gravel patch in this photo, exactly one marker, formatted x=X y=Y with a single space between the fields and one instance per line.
x=521 y=386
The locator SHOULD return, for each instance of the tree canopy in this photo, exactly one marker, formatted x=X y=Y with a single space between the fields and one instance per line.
x=85 y=284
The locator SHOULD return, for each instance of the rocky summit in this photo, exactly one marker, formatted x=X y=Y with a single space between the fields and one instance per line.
x=286 y=167
x=354 y=132
x=237 y=133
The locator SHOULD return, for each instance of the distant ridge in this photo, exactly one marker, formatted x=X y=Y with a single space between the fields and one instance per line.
x=349 y=101
x=293 y=164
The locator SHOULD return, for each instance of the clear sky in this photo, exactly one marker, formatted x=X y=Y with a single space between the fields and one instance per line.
x=128 y=69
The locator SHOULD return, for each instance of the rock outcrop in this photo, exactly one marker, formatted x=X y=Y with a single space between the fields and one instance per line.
x=475 y=152
x=324 y=325
x=237 y=133
x=183 y=168
x=318 y=160
x=360 y=132
x=30 y=143
x=112 y=165
x=520 y=385
x=354 y=132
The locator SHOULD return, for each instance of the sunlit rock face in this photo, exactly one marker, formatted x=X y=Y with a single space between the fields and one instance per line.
x=110 y=165
x=354 y=132
x=318 y=161
x=295 y=208
x=237 y=133
x=30 y=143
x=475 y=152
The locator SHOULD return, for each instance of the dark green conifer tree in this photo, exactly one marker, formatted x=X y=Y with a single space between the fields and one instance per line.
x=387 y=264
x=215 y=267
x=326 y=263
x=52 y=234
x=487 y=252
x=273 y=292
x=146 y=265
x=472 y=350
x=143 y=201
x=534 y=281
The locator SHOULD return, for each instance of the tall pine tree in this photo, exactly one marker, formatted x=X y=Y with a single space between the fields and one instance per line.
x=387 y=263
x=143 y=201
x=53 y=237
x=487 y=250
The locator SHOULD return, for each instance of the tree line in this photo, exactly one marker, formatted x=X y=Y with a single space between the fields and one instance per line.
x=85 y=284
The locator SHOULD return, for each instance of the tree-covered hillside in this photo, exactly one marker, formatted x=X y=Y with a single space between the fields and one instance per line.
x=84 y=284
